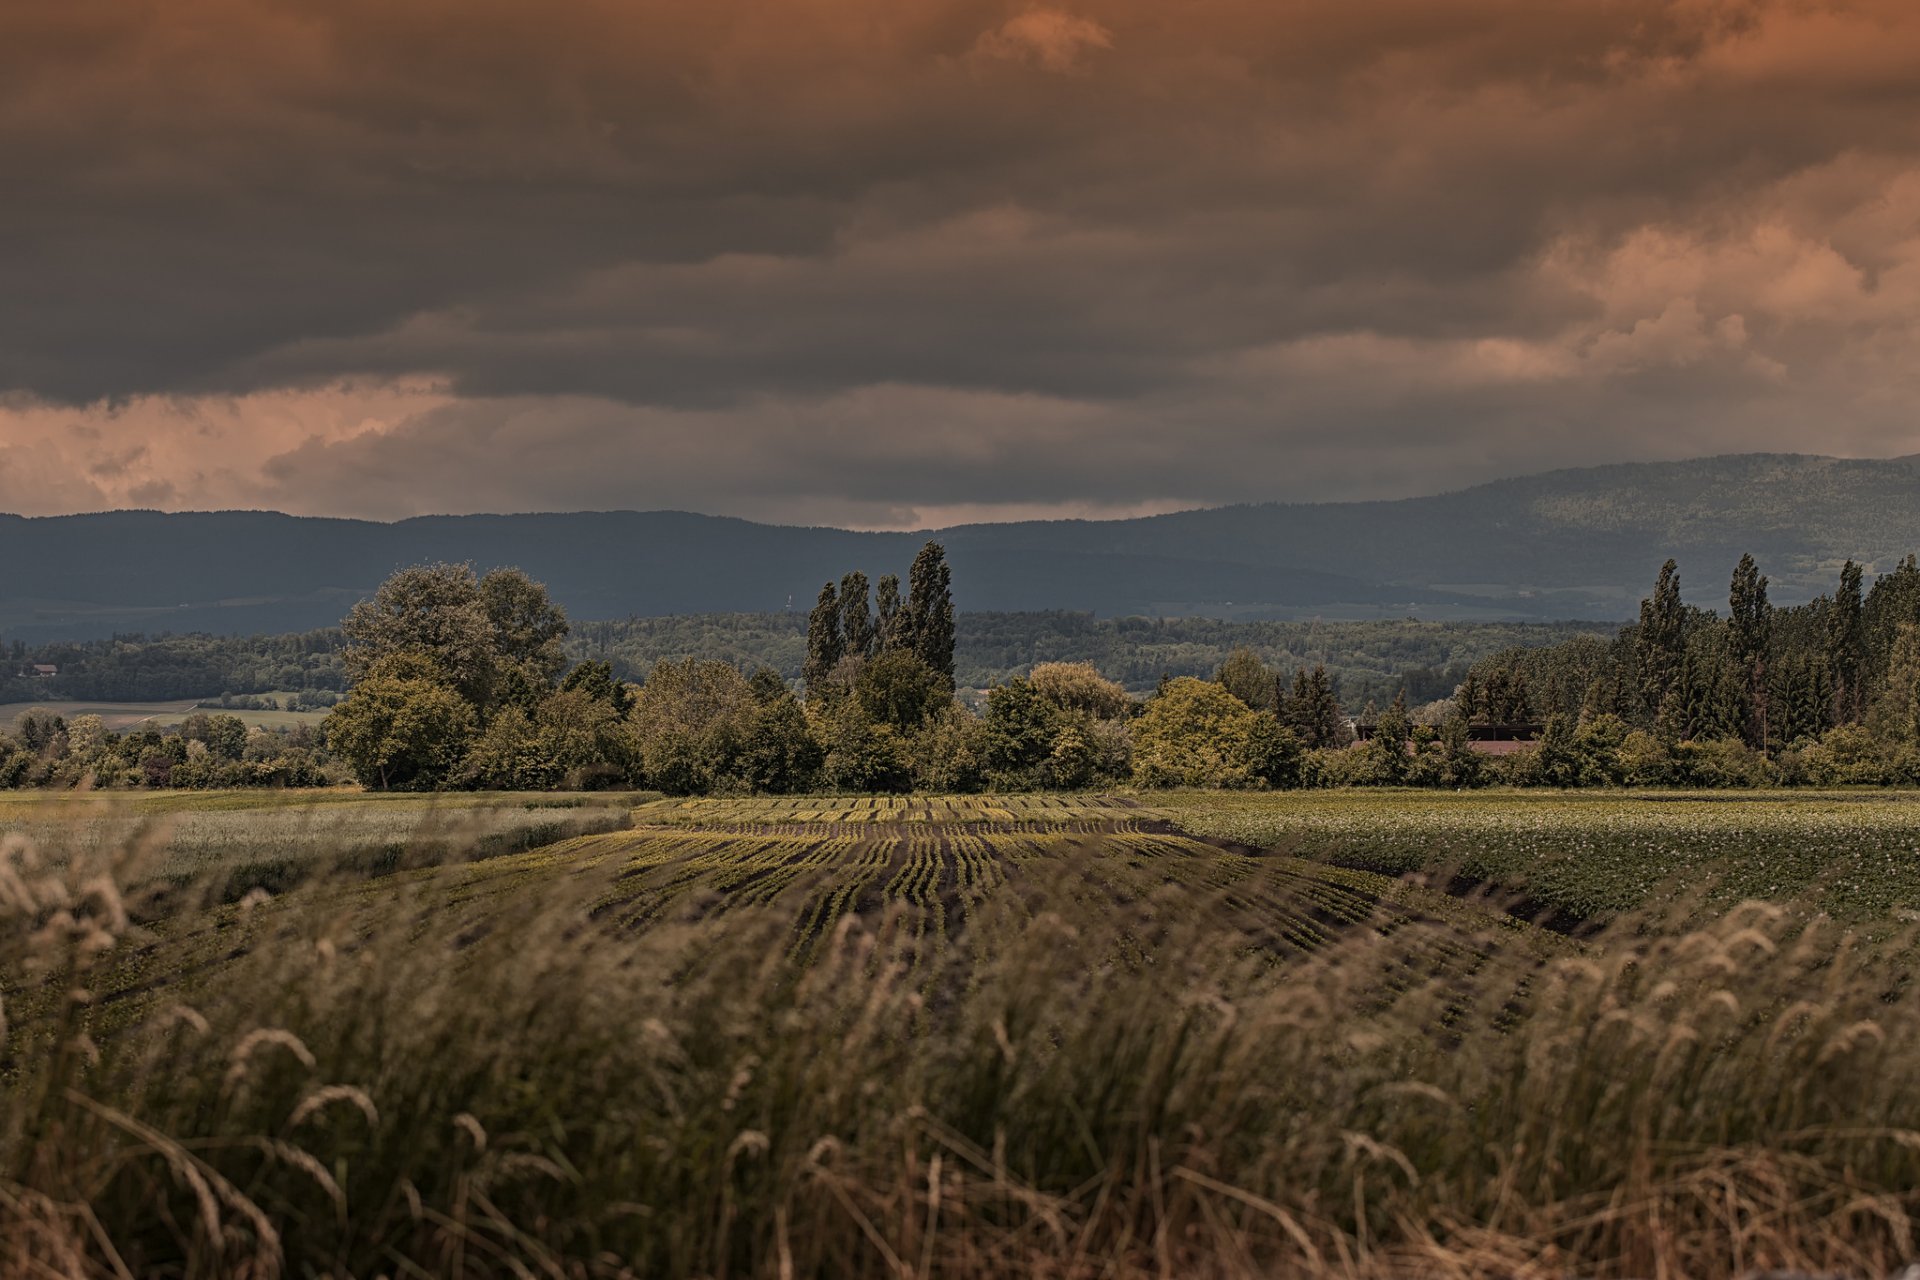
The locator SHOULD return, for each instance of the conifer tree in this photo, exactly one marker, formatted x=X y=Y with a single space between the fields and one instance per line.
x=824 y=642
x=1469 y=698
x=1461 y=765
x=1321 y=712
x=1390 y=739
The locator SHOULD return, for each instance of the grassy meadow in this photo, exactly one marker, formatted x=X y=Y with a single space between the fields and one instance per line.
x=1198 y=1035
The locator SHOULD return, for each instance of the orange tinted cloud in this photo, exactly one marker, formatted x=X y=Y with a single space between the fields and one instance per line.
x=941 y=254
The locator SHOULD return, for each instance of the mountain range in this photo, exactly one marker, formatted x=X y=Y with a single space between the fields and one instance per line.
x=1582 y=543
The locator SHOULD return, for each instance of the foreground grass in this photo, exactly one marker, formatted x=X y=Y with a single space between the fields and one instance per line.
x=842 y=1047
x=1855 y=856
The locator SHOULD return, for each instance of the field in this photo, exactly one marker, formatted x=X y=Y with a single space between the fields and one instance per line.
x=1854 y=855
x=122 y=716
x=972 y=1036
x=227 y=843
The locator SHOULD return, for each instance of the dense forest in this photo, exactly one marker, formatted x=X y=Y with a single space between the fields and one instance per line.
x=1370 y=660
x=136 y=668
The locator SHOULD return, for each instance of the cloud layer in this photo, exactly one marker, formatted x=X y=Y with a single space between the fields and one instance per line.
x=883 y=263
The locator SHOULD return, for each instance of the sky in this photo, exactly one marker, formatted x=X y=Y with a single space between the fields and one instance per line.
x=905 y=263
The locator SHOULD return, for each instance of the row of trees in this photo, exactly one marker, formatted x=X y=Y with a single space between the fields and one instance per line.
x=1828 y=691
x=1371 y=660
x=462 y=680
x=139 y=668
x=206 y=750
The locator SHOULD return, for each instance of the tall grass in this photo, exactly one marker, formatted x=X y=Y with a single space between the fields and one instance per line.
x=1074 y=1086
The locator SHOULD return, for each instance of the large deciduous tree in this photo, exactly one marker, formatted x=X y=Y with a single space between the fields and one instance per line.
x=1192 y=734
x=433 y=610
x=400 y=733
x=494 y=639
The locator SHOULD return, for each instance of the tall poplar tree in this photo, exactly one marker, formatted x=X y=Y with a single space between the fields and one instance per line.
x=929 y=609
x=825 y=645
x=1749 y=635
x=857 y=634
x=1661 y=642
x=1846 y=647
x=886 y=602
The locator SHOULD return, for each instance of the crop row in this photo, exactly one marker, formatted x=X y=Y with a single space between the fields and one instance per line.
x=1854 y=856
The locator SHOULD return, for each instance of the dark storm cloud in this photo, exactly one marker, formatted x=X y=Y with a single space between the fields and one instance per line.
x=872 y=261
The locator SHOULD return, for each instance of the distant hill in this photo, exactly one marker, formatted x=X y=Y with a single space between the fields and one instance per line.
x=1565 y=544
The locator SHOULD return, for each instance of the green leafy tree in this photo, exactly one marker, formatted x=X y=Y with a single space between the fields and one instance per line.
x=1846 y=648
x=949 y=753
x=401 y=734
x=898 y=689
x=1020 y=729
x=1078 y=688
x=1195 y=734
x=1246 y=677
x=825 y=644
x=1600 y=746
x=432 y=610
x=509 y=755
x=782 y=755
x=862 y=755
x=225 y=736
x=887 y=611
x=691 y=723
x=1389 y=745
x=1661 y=641
x=1460 y=764
x=767 y=686
x=1557 y=760
x=929 y=627
x=527 y=628
x=859 y=637
x=1314 y=708
x=1749 y=635
x=597 y=681
x=1897 y=714
x=1274 y=754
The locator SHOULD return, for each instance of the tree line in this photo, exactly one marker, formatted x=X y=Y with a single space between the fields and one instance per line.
x=298 y=667
x=1824 y=693
x=461 y=680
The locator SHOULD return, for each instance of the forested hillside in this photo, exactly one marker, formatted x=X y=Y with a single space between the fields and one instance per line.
x=1567 y=544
